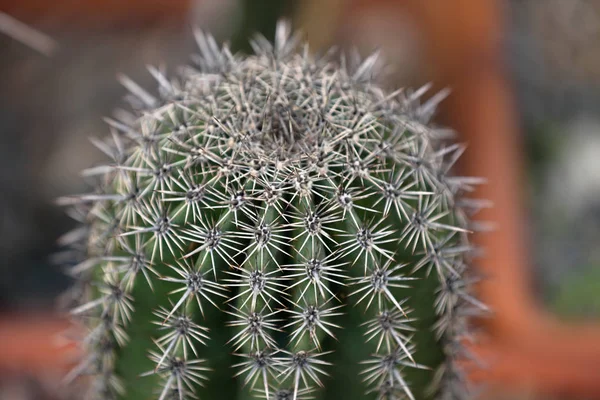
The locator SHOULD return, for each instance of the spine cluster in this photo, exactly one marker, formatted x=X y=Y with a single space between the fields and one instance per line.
x=283 y=190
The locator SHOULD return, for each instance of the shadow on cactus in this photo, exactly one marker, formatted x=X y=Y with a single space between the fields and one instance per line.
x=274 y=226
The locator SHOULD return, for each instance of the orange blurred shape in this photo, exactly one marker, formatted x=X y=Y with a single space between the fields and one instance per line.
x=34 y=344
x=512 y=369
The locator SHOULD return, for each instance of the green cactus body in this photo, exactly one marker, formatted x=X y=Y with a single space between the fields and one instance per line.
x=280 y=219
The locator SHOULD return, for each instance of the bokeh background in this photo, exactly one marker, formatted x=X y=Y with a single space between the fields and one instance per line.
x=51 y=103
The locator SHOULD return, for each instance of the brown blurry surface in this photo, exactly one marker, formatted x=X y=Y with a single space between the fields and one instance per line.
x=31 y=344
x=35 y=355
x=97 y=12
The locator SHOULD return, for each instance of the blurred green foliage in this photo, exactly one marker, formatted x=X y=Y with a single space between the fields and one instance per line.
x=579 y=295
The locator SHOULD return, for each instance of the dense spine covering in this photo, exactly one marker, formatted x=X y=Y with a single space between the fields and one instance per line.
x=281 y=189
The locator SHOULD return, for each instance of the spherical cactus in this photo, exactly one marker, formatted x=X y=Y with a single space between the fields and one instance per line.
x=274 y=226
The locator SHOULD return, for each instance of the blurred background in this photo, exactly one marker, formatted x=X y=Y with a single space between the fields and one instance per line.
x=54 y=97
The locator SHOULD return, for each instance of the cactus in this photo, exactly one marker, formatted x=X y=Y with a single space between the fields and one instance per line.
x=276 y=220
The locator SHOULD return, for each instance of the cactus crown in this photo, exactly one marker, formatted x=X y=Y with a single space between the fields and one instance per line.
x=278 y=199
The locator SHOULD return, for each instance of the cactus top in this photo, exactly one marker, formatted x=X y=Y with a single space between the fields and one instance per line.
x=277 y=187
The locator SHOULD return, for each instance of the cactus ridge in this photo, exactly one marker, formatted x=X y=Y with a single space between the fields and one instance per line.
x=281 y=189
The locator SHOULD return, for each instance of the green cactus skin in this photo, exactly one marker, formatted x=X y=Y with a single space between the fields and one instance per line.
x=274 y=226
